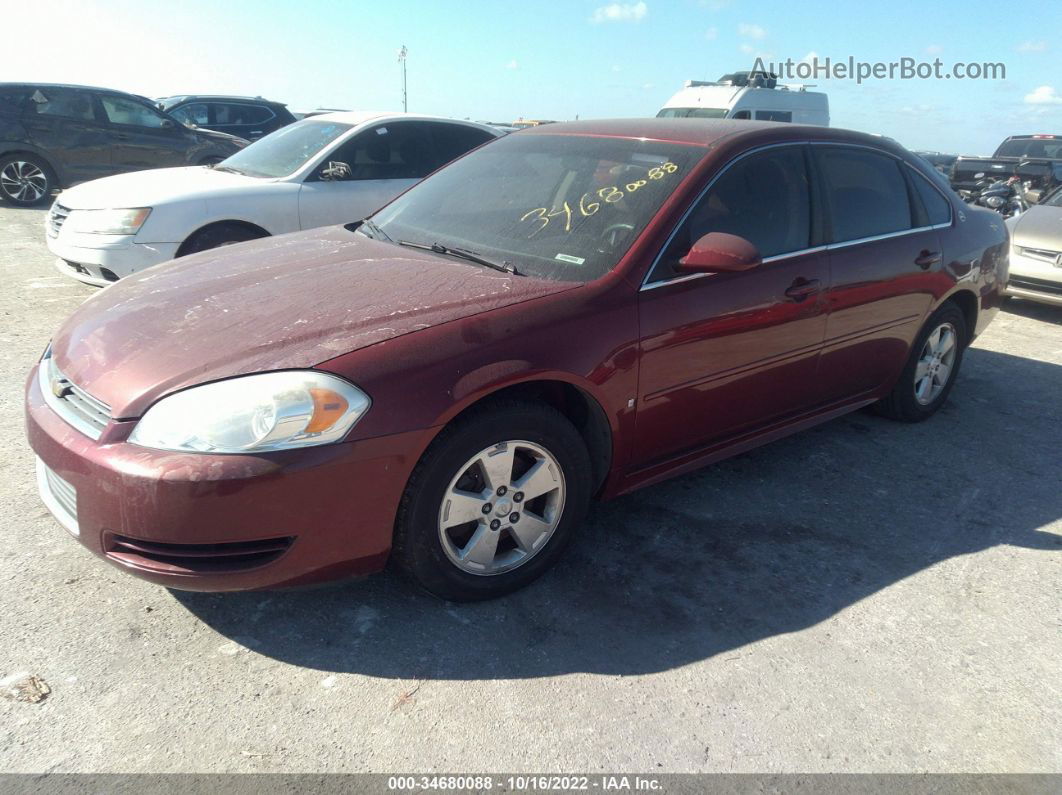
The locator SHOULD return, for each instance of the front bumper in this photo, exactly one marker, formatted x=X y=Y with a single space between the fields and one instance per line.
x=102 y=259
x=1033 y=279
x=222 y=522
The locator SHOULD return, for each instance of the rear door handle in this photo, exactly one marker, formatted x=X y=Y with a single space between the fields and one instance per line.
x=122 y=136
x=802 y=288
x=926 y=259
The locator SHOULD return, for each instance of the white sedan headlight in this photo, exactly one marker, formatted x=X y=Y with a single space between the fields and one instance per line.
x=107 y=222
x=254 y=413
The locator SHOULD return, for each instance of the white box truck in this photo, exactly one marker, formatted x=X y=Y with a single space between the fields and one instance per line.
x=748 y=95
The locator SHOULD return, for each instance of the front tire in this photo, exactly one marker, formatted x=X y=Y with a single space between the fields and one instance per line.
x=931 y=370
x=25 y=180
x=224 y=234
x=493 y=502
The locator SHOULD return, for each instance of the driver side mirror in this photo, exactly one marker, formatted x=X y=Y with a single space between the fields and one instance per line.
x=167 y=124
x=335 y=170
x=719 y=252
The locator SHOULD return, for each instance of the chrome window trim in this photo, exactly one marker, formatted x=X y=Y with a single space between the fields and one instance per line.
x=689 y=276
x=885 y=236
x=646 y=284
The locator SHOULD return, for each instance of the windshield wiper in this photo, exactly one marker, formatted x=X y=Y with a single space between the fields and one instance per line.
x=230 y=169
x=375 y=232
x=465 y=254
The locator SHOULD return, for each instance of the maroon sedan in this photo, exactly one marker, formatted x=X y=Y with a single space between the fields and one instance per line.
x=567 y=313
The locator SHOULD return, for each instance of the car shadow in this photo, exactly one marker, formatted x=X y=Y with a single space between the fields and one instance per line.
x=1034 y=310
x=767 y=543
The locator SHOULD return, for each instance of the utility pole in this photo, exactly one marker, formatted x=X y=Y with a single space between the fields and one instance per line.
x=402 y=58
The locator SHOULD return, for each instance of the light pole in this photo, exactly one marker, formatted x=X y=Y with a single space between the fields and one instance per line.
x=402 y=58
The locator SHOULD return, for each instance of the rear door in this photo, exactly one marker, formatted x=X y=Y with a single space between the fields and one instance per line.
x=726 y=353
x=382 y=161
x=142 y=137
x=885 y=261
x=65 y=124
x=244 y=119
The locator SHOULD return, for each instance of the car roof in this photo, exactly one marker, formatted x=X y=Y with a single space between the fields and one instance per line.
x=705 y=132
x=231 y=97
x=74 y=86
x=356 y=117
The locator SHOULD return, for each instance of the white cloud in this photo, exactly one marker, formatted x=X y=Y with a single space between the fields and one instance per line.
x=748 y=49
x=751 y=31
x=620 y=12
x=711 y=34
x=1032 y=46
x=513 y=64
x=811 y=57
x=934 y=49
x=1044 y=95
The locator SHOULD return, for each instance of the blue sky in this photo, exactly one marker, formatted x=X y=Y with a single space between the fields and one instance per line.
x=553 y=59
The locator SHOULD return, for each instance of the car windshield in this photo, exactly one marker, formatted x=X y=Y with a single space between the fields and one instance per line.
x=286 y=150
x=562 y=207
x=692 y=113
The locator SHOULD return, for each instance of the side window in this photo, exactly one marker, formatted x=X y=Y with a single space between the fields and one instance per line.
x=61 y=102
x=866 y=193
x=129 y=112
x=398 y=150
x=742 y=114
x=240 y=113
x=938 y=210
x=774 y=115
x=194 y=113
x=453 y=140
x=764 y=198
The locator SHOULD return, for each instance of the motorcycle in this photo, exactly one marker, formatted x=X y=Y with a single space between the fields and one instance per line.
x=1006 y=196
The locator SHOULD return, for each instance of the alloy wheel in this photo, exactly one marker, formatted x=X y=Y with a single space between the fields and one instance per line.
x=501 y=508
x=935 y=364
x=24 y=182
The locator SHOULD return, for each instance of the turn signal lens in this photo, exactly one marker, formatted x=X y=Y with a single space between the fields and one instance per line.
x=328 y=407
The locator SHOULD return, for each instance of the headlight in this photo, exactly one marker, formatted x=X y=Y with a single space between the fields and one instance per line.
x=994 y=201
x=253 y=413
x=107 y=222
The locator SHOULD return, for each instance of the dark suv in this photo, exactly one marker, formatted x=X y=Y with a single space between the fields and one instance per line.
x=247 y=117
x=54 y=136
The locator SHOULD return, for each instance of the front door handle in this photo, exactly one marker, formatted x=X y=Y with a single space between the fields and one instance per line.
x=802 y=288
x=926 y=259
x=122 y=136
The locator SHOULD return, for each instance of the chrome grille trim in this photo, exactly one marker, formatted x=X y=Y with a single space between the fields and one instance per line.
x=1042 y=254
x=56 y=218
x=86 y=413
x=58 y=496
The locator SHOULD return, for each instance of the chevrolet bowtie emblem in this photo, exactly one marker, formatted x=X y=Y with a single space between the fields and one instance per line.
x=59 y=389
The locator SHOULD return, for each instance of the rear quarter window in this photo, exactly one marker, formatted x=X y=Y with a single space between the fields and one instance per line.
x=938 y=209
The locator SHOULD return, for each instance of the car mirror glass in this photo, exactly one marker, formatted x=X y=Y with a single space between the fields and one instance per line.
x=335 y=170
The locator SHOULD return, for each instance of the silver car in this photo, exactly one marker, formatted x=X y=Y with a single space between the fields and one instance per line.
x=1036 y=252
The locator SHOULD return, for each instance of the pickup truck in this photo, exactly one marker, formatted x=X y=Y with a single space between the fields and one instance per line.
x=1044 y=152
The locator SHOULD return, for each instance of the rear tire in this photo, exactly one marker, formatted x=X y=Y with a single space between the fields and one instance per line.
x=218 y=235
x=461 y=535
x=931 y=369
x=26 y=180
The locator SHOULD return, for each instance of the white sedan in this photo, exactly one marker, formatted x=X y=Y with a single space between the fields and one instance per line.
x=324 y=170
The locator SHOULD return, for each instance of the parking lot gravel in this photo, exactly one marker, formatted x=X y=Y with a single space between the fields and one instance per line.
x=864 y=596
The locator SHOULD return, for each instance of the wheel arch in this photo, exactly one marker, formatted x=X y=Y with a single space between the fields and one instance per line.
x=259 y=230
x=967 y=302
x=576 y=403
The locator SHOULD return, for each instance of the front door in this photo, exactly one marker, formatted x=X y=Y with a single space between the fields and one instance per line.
x=142 y=137
x=380 y=163
x=63 y=122
x=724 y=353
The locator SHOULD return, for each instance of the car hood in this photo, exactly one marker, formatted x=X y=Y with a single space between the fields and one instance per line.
x=286 y=302
x=152 y=187
x=221 y=137
x=1039 y=227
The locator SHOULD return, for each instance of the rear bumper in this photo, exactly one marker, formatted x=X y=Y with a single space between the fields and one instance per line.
x=102 y=259
x=222 y=522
